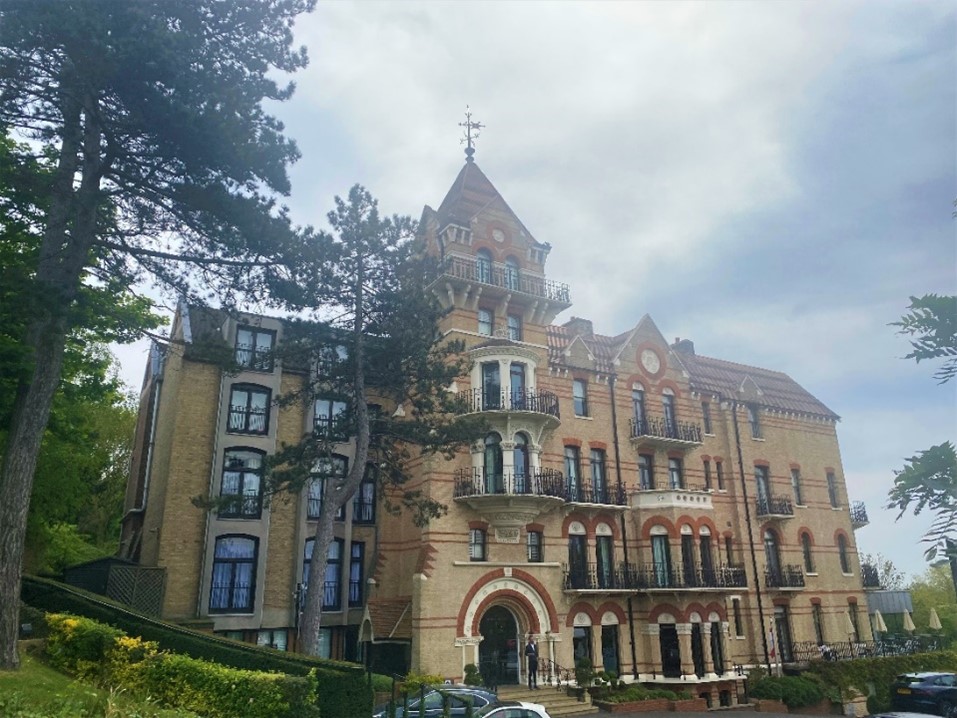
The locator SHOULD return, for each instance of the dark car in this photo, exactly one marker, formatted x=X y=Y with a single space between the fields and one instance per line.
x=458 y=695
x=926 y=693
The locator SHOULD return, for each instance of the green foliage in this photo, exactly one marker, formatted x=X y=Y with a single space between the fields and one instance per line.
x=794 y=691
x=859 y=676
x=415 y=681
x=932 y=322
x=935 y=589
x=635 y=692
x=891 y=578
x=79 y=645
x=342 y=688
x=473 y=677
x=584 y=673
x=381 y=683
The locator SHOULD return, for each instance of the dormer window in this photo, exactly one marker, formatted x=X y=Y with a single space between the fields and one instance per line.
x=254 y=348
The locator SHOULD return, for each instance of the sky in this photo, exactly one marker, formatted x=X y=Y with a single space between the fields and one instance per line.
x=770 y=180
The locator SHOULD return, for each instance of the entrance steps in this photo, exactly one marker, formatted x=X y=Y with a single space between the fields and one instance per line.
x=556 y=702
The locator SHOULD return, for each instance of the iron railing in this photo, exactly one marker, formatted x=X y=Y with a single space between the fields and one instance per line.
x=588 y=491
x=539 y=482
x=503 y=399
x=660 y=428
x=496 y=274
x=651 y=576
x=870 y=576
x=789 y=576
x=691 y=488
x=774 y=506
x=858 y=514
x=807 y=651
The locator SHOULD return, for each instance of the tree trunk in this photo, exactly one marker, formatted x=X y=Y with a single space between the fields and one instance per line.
x=29 y=419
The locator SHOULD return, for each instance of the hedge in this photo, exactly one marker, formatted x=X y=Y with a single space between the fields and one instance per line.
x=342 y=689
x=110 y=659
x=793 y=691
x=862 y=675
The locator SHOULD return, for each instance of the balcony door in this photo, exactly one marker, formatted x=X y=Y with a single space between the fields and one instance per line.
x=494 y=481
x=520 y=461
x=577 y=561
x=772 y=554
x=697 y=650
x=671 y=421
x=491 y=386
x=782 y=629
x=604 y=553
x=670 y=650
x=638 y=408
x=764 y=489
x=661 y=558
x=516 y=375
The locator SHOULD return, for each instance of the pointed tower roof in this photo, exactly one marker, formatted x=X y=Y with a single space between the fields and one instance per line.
x=470 y=194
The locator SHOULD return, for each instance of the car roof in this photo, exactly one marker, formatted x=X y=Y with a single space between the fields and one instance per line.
x=927 y=674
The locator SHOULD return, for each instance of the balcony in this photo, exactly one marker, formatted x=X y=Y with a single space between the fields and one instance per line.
x=774 y=507
x=534 y=401
x=787 y=578
x=858 y=515
x=658 y=433
x=502 y=277
x=870 y=576
x=585 y=491
x=684 y=497
x=510 y=500
x=654 y=576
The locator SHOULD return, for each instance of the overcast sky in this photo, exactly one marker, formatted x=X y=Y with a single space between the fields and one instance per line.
x=770 y=180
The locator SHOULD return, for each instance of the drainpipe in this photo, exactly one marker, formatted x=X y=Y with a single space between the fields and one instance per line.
x=624 y=533
x=747 y=520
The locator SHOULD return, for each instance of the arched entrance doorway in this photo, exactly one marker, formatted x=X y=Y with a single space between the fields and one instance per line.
x=500 y=649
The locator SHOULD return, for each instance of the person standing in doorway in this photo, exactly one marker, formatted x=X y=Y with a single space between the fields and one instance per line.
x=531 y=655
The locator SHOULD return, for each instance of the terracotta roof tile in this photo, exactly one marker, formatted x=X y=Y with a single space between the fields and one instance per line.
x=391 y=618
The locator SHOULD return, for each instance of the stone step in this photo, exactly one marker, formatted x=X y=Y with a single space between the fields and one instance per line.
x=556 y=702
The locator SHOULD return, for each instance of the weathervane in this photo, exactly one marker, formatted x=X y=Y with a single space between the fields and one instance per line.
x=469 y=126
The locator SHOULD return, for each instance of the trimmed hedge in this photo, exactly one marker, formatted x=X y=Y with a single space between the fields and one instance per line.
x=342 y=689
x=859 y=676
x=635 y=693
x=110 y=659
x=793 y=691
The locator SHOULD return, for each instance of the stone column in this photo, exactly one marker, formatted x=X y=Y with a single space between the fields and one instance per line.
x=684 y=647
x=706 y=650
x=508 y=464
x=654 y=647
x=726 y=647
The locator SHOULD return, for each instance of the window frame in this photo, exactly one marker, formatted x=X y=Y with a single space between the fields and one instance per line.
x=573 y=470
x=327 y=424
x=599 y=475
x=832 y=496
x=231 y=588
x=240 y=497
x=514 y=325
x=706 y=463
x=796 y=487
x=646 y=462
x=719 y=474
x=334 y=563
x=247 y=411
x=481 y=315
x=754 y=420
x=478 y=545
x=535 y=546
x=357 y=597
x=806 y=553
x=843 y=555
x=318 y=478
x=254 y=352
x=580 y=397
x=706 y=418
x=328 y=357
x=359 y=501
x=675 y=469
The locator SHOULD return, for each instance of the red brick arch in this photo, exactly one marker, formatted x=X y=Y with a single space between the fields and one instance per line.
x=580 y=519
x=607 y=519
x=696 y=607
x=654 y=521
x=707 y=521
x=805 y=530
x=510 y=597
x=679 y=615
x=716 y=607
x=842 y=532
x=614 y=608
x=668 y=384
x=582 y=607
x=517 y=573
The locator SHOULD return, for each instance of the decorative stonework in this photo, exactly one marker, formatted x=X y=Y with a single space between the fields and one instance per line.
x=652 y=500
x=512 y=585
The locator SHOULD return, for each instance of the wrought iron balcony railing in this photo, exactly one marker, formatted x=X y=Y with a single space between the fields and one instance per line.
x=774 y=506
x=870 y=576
x=496 y=274
x=859 y=514
x=889 y=645
x=659 y=428
x=536 y=401
x=538 y=482
x=587 y=491
x=651 y=576
x=789 y=576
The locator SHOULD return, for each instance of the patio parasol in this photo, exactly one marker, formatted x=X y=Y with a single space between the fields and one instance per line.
x=879 y=624
x=849 y=624
x=934 y=620
x=908 y=622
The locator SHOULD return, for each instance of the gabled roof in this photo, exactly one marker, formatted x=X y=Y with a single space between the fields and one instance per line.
x=390 y=619
x=600 y=347
x=774 y=389
x=470 y=194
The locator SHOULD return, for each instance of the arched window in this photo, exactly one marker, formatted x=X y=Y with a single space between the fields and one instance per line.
x=842 y=553
x=511 y=273
x=483 y=266
x=233 y=586
x=661 y=557
x=806 y=551
x=493 y=464
x=604 y=556
x=638 y=408
x=671 y=419
x=520 y=459
x=241 y=487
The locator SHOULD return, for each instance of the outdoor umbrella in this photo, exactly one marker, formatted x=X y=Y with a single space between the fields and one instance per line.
x=879 y=624
x=908 y=622
x=934 y=620
x=848 y=624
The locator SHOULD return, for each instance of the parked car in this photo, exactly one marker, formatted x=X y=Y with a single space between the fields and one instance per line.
x=479 y=697
x=926 y=693
x=513 y=709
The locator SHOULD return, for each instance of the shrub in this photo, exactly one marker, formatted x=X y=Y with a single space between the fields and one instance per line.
x=793 y=691
x=381 y=683
x=584 y=674
x=634 y=693
x=342 y=688
x=413 y=682
x=473 y=676
x=79 y=646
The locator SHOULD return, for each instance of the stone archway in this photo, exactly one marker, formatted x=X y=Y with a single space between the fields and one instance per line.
x=500 y=652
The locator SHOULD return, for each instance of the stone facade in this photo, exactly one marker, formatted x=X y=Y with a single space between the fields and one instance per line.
x=654 y=510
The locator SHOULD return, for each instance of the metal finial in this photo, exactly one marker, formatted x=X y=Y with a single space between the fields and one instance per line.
x=471 y=133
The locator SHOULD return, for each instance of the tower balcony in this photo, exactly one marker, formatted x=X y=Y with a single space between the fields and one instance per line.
x=774 y=507
x=683 y=498
x=499 y=279
x=656 y=432
x=653 y=577
x=858 y=515
x=785 y=578
x=509 y=500
x=535 y=408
